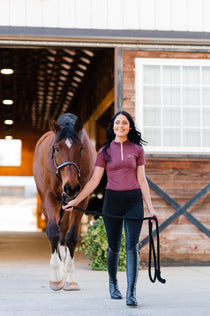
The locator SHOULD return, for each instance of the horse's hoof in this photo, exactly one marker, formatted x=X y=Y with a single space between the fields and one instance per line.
x=57 y=286
x=71 y=286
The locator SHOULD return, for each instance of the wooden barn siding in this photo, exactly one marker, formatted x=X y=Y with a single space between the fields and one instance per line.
x=180 y=178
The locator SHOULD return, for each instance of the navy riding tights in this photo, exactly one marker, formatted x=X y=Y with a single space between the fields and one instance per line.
x=123 y=203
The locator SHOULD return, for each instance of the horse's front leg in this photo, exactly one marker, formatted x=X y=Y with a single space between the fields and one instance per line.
x=57 y=269
x=71 y=242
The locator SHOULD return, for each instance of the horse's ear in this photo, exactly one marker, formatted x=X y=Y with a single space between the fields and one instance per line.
x=54 y=126
x=78 y=125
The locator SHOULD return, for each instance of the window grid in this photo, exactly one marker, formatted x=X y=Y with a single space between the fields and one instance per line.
x=194 y=126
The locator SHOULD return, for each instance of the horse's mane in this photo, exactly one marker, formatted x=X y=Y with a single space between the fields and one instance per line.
x=66 y=121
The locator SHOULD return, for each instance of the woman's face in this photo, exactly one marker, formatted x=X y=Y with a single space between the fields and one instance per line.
x=121 y=126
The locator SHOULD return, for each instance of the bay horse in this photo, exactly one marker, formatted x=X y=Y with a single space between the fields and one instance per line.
x=63 y=162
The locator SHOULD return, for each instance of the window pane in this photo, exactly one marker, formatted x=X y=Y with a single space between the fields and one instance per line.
x=171 y=74
x=206 y=75
x=191 y=96
x=171 y=137
x=191 y=137
x=10 y=154
x=171 y=96
x=151 y=74
x=175 y=97
x=206 y=96
x=191 y=117
x=190 y=75
x=151 y=95
x=206 y=117
x=152 y=116
x=152 y=136
x=206 y=137
x=171 y=116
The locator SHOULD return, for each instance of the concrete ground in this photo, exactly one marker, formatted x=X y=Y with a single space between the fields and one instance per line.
x=18 y=213
x=24 y=285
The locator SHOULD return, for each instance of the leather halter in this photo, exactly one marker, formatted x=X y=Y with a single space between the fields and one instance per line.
x=63 y=165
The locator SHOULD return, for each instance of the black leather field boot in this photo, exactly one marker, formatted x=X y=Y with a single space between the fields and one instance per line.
x=132 y=269
x=112 y=264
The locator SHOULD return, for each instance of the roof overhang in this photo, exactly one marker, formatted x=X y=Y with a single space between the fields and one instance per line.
x=35 y=36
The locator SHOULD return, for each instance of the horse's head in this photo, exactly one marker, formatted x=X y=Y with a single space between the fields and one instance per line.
x=66 y=153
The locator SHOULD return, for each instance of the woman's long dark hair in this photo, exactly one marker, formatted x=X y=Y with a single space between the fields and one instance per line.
x=134 y=135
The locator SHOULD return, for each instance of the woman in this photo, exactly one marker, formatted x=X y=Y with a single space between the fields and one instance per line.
x=123 y=158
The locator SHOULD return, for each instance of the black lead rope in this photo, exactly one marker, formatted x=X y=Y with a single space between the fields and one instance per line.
x=156 y=258
x=152 y=252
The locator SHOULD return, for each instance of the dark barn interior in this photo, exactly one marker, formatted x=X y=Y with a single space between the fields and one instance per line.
x=48 y=82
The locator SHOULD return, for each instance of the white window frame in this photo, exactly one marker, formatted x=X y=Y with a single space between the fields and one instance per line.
x=139 y=106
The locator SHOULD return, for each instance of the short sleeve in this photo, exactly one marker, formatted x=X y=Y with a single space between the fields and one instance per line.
x=100 y=159
x=141 y=157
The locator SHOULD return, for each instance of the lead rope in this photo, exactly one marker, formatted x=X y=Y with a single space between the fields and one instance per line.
x=156 y=258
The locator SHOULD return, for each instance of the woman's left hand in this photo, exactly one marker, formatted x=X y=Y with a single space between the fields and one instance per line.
x=153 y=213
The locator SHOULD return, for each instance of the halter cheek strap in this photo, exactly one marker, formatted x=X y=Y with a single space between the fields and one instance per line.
x=63 y=165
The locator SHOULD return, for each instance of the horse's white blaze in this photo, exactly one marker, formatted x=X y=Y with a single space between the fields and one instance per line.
x=56 y=268
x=62 y=251
x=70 y=269
x=68 y=142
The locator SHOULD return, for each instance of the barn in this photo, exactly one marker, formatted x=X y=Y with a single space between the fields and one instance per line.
x=151 y=58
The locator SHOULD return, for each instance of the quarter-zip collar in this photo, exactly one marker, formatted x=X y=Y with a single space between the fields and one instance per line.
x=121 y=147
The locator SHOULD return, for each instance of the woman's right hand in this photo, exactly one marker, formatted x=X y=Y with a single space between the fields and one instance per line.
x=89 y=188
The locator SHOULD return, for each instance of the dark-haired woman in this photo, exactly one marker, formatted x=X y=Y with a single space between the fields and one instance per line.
x=123 y=158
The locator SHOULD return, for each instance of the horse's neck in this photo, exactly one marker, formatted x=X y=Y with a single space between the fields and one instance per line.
x=89 y=152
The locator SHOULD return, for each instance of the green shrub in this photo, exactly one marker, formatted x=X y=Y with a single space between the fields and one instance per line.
x=94 y=246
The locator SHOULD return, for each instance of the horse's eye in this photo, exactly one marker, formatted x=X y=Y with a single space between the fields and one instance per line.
x=81 y=149
x=57 y=149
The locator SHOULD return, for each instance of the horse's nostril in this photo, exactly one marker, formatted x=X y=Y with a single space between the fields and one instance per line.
x=67 y=189
x=71 y=192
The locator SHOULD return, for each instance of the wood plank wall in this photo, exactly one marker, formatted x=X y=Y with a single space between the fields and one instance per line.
x=181 y=178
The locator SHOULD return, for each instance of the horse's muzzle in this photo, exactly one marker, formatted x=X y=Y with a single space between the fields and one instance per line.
x=65 y=198
x=69 y=192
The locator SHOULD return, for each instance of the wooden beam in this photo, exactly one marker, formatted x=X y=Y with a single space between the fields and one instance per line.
x=90 y=125
x=104 y=105
x=118 y=80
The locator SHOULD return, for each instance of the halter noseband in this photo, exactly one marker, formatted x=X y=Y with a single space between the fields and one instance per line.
x=63 y=165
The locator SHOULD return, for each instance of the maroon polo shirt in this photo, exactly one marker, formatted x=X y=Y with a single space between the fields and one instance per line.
x=122 y=168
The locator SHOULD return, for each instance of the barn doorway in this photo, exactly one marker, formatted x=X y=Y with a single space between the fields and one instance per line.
x=43 y=83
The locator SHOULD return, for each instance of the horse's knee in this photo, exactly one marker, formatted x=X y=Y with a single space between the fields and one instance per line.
x=71 y=240
x=53 y=234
